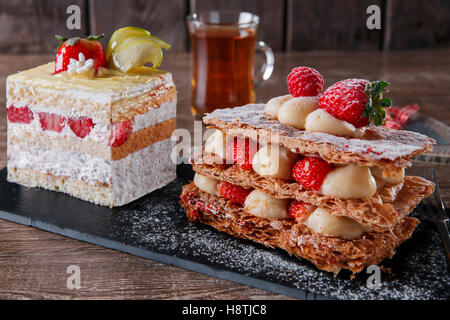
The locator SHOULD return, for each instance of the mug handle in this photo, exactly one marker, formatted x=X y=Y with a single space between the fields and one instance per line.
x=267 y=68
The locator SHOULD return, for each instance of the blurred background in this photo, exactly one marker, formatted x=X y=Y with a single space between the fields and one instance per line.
x=28 y=26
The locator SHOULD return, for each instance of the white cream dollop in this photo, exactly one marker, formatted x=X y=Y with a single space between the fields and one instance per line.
x=217 y=143
x=206 y=184
x=394 y=176
x=349 y=182
x=322 y=222
x=261 y=205
x=273 y=105
x=294 y=111
x=274 y=161
x=321 y=121
x=81 y=65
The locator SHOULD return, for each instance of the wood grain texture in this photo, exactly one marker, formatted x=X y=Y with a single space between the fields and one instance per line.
x=271 y=28
x=33 y=262
x=330 y=25
x=29 y=26
x=416 y=24
x=165 y=19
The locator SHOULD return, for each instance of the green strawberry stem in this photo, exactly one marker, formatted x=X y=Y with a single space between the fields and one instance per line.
x=72 y=41
x=376 y=104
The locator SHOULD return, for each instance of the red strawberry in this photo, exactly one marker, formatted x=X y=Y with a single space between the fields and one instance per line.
x=19 y=114
x=243 y=151
x=300 y=211
x=70 y=49
x=233 y=192
x=81 y=126
x=310 y=172
x=304 y=82
x=52 y=121
x=356 y=101
x=120 y=133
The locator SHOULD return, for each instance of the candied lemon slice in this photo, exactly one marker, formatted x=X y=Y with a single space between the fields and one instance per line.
x=122 y=34
x=135 y=52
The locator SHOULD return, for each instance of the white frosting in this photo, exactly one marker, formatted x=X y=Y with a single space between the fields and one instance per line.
x=143 y=171
x=165 y=112
x=81 y=65
x=131 y=177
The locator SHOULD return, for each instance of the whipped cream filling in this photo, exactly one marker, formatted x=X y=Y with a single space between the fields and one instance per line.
x=275 y=161
x=99 y=133
x=124 y=174
x=322 y=222
x=319 y=220
x=261 y=205
x=206 y=184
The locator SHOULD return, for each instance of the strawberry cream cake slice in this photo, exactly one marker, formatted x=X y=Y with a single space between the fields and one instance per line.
x=312 y=173
x=87 y=126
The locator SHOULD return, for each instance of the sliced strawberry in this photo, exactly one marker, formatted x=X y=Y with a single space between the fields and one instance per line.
x=233 y=192
x=52 y=121
x=300 y=211
x=310 y=172
x=243 y=152
x=19 y=114
x=120 y=133
x=81 y=126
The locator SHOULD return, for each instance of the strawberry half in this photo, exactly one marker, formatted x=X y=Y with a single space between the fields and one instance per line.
x=243 y=152
x=234 y=193
x=300 y=211
x=81 y=126
x=52 y=121
x=19 y=114
x=71 y=48
x=310 y=172
x=120 y=133
x=356 y=101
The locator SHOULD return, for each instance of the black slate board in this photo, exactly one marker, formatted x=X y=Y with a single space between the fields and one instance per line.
x=155 y=227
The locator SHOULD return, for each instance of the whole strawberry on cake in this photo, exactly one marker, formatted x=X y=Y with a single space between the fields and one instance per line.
x=94 y=124
x=314 y=173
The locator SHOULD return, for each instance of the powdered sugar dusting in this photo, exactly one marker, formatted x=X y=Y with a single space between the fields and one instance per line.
x=378 y=143
x=158 y=223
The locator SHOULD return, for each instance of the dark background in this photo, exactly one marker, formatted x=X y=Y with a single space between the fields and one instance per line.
x=28 y=26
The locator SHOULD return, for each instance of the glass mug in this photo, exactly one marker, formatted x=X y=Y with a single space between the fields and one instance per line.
x=223 y=49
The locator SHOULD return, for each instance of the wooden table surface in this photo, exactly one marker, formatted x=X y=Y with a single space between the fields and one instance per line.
x=33 y=263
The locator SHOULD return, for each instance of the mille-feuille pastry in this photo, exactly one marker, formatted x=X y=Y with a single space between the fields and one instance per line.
x=96 y=126
x=311 y=173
